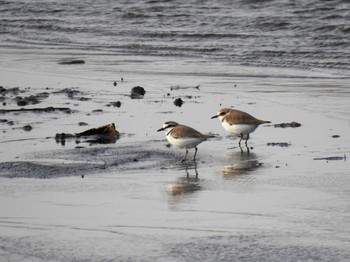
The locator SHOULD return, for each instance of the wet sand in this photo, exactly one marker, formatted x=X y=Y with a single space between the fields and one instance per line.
x=133 y=200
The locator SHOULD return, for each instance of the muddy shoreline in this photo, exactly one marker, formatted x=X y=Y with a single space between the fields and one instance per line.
x=72 y=198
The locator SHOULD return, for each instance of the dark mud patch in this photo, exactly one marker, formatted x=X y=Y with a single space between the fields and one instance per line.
x=114 y=104
x=90 y=161
x=32 y=99
x=285 y=125
x=280 y=144
x=72 y=62
x=16 y=94
x=331 y=158
x=49 y=109
x=73 y=93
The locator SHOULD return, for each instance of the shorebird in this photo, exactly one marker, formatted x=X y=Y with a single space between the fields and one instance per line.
x=238 y=123
x=183 y=137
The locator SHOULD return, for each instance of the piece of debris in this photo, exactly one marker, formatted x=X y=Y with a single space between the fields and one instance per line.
x=115 y=83
x=137 y=92
x=291 y=124
x=108 y=129
x=72 y=62
x=281 y=144
x=106 y=134
x=335 y=136
x=178 y=102
x=332 y=158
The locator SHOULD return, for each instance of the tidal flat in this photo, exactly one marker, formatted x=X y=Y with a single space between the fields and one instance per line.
x=287 y=199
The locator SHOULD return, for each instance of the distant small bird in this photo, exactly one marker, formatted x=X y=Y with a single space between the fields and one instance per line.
x=238 y=123
x=183 y=136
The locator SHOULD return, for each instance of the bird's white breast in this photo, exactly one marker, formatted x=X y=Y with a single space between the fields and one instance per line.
x=237 y=130
x=184 y=142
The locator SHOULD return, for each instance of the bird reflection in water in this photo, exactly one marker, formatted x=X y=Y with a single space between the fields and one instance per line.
x=240 y=163
x=185 y=184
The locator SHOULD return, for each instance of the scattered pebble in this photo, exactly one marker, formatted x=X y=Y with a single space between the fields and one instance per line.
x=27 y=128
x=137 y=92
x=178 y=102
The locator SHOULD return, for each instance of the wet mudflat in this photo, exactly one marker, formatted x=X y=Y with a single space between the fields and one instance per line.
x=286 y=199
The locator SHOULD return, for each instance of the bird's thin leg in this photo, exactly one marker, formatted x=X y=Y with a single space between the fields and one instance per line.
x=246 y=145
x=184 y=158
x=195 y=153
x=241 y=137
x=246 y=140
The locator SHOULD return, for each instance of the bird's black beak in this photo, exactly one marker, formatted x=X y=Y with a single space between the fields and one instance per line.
x=214 y=116
x=161 y=129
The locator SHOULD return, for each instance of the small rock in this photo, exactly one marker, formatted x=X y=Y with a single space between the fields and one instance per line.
x=27 y=128
x=137 y=92
x=335 y=136
x=115 y=83
x=178 y=102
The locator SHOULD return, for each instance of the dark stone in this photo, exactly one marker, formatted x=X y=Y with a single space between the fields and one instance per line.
x=178 y=102
x=27 y=128
x=137 y=92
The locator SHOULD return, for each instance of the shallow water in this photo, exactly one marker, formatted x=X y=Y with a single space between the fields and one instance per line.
x=133 y=200
x=302 y=34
